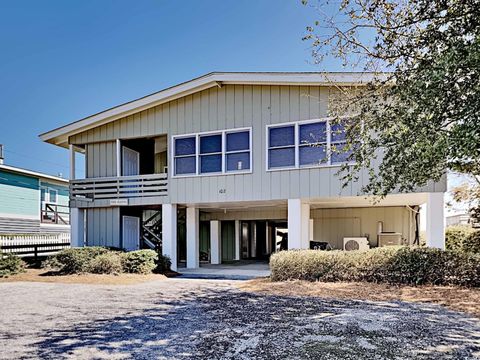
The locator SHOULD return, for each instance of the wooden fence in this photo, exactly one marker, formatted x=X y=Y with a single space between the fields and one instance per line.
x=34 y=245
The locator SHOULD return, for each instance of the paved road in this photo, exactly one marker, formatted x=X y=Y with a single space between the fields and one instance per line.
x=211 y=319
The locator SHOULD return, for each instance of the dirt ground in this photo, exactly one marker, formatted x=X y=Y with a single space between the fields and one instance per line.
x=213 y=319
x=460 y=299
x=40 y=275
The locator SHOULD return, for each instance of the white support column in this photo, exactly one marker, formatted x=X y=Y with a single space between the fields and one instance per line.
x=215 y=242
x=72 y=162
x=193 y=243
x=77 y=227
x=298 y=224
x=119 y=158
x=169 y=233
x=435 y=224
x=237 y=240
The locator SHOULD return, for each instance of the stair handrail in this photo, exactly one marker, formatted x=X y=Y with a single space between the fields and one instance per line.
x=152 y=233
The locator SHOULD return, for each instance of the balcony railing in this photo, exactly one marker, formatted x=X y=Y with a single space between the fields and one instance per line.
x=55 y=214
x=119 y=187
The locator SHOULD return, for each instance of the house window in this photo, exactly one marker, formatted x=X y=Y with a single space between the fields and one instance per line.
x=312 y=143
x=281 y=147
x=337 y=144
x=48 y=195
x=237 y=151
x=53 y=195
x=185 y=155
x=211 y=153
x=217 y=153
x=43 y=194
x=306 y=144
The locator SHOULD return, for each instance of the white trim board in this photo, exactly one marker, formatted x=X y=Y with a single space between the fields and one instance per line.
x=32 y=173
x=59 y=136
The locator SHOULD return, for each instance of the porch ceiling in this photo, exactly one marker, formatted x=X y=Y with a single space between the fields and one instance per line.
x=318 y=203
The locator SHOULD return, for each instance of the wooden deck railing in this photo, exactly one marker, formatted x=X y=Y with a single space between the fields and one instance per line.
x=55 y=214
x=119 y=187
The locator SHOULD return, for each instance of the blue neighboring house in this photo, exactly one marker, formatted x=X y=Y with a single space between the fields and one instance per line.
x=32 y=202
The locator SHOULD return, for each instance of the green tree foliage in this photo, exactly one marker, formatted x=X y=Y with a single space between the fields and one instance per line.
x=420 y=114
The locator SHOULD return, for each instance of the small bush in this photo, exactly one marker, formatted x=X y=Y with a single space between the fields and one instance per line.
x=76 y=260
x=395 y=265
x=139 y=262
x=10 y=265
x=108 y=263
x=472 y=242
x=455 y=237
x=163 y=264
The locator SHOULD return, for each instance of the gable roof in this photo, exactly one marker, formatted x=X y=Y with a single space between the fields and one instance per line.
x=14 y=169
x=59 y=136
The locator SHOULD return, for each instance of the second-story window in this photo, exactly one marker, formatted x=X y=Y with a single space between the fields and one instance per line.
x=53 y=195
x=281 y=147
x=306 y=144
x=337 y=144
x=237 y=151
x=185 y=155
x=312 y=143
x=210 y=153
x=227 y=151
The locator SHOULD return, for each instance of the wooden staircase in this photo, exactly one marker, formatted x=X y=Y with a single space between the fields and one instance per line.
x=152 y=231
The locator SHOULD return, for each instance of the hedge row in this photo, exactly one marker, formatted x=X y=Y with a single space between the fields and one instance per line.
x=462 y=238
x=394 y=265
x=99 y=260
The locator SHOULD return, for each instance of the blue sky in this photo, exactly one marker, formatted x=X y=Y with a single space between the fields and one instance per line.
x=64 y=60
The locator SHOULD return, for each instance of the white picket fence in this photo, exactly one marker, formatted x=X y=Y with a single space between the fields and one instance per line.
x=27 y=245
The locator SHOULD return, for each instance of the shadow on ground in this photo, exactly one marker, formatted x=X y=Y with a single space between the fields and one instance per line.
x=228 y=324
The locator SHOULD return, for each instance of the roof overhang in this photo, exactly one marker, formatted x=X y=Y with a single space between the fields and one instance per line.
x=17 y=170
x=60 y=135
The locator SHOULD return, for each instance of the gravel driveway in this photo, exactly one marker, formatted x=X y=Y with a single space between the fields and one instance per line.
x=212 y=319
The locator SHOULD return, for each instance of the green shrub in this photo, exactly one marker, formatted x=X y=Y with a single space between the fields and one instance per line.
x=108 y=263
x=455 y=237
x=163 y=264
x=139 y=262
x=395 y=265
x=76 y=260
x=101 y=260
x=10 y=265
x=472 y=242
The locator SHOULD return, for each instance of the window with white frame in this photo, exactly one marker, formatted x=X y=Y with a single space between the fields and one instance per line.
x=338 y=155
x=281 y=147
x=221 y=152
x=185 y=151
x=306 y=144
x=48 y=195
x=53 y=195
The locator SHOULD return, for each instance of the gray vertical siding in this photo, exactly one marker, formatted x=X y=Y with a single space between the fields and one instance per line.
x=101 y=159
x=228 y=107
x=103 y=227
x=333 y=225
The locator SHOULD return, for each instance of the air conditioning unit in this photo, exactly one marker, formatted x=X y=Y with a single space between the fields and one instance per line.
x=390 y=239
x=355 y=243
